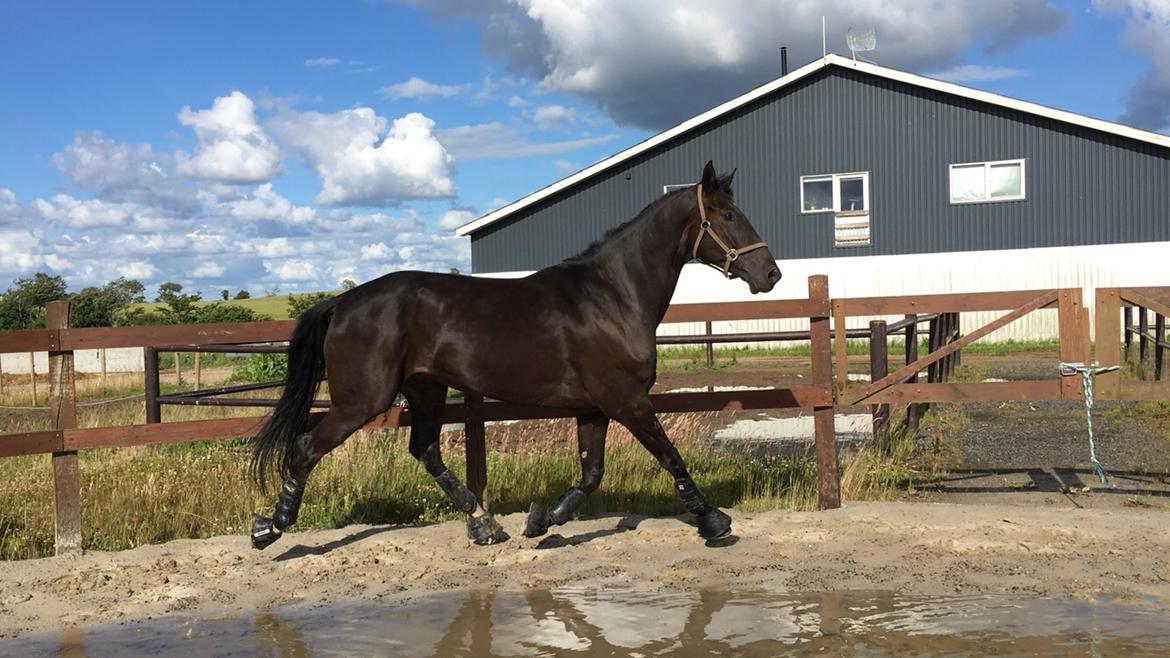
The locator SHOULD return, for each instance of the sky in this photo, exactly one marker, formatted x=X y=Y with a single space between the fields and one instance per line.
x=285 y=146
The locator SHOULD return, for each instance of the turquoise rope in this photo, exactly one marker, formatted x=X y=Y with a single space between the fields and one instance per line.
x=1087 y=373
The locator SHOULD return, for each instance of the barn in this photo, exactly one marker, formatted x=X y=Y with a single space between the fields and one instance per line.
x=889 y=182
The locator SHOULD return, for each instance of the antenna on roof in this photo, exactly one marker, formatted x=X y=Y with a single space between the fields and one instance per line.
x=860 y=39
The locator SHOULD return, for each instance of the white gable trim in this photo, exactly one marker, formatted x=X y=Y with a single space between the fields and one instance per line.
x=802 y=72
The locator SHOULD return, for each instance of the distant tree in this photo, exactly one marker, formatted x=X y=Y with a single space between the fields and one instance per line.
x=220 y=312
x=243 y=294
x=348 y=284
x=97 y=307
x=225 y=294
x=455 y=270
x=137 y=316
x=298 y=304
x=23 y=305
x=180 y=308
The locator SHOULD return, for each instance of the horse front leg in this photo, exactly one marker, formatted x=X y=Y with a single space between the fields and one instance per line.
x=427 y=401
x=591 y=431
x=640 y=419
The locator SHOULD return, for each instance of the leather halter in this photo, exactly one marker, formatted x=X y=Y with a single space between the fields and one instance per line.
x=730 y=254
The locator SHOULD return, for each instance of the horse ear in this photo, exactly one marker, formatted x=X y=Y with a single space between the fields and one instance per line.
x=709 y=181
x=727 y=182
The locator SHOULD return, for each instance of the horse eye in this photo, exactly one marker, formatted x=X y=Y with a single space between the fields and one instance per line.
x=728 y=216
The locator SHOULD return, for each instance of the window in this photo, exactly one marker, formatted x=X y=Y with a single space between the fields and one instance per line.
x=980 y=182
x=845 y=193
x=667 y=189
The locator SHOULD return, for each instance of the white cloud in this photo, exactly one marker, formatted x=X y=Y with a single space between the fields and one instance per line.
x=375 y=251
x=291 y=270
x=208 y=270
x=7 y=195
x=516 y=101
x=1147 y=26
x=139 y=269
x=704 y=52
x=976 y=73
x=322 y=62
x=274 y=248
x=361 y=163
x=232 y=147
x=87 y=213
x=120 y=172
x=264 y=203
x=23 y=252
x=416 y=87
x=550 y=116
x=453 y=219
x=564 y=166
x=495 y=140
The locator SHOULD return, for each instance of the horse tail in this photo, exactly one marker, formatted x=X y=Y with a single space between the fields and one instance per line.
x=290 y=418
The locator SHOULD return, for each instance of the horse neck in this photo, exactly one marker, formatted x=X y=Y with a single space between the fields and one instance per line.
x=644 y=262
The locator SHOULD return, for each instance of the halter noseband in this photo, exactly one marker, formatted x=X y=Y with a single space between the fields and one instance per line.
x=729 y=253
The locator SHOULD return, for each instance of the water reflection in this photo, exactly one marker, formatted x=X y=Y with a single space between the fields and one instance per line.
x=586 y=623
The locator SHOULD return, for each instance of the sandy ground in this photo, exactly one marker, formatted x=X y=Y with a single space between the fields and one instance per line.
x=908 y=548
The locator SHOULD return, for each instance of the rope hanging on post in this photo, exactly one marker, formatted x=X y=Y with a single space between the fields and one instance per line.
x=1087 y=372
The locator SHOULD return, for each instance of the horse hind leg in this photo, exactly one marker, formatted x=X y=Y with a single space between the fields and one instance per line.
x=307 y=450
x=427 y=400
x=591 y=431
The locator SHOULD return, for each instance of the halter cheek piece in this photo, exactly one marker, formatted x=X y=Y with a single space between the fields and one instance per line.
x=730 y=254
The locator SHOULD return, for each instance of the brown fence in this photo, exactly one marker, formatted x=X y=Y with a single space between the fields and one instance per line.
x=945 y=341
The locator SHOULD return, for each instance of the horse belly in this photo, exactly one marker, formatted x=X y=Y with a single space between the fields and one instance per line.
x=525 y=367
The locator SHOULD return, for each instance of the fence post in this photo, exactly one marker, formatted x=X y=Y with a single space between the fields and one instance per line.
x=1127 y=337
x=1072 y=346
x=476 y=449
x=879 y=366
x=913 y=410
x=1107 y=347
x=1160 y=335
x=1143 y=342
x=63 y=412
x=828 y=480
x=932 y=344
x=710 y=348
x=32 y=376
x=150 y=372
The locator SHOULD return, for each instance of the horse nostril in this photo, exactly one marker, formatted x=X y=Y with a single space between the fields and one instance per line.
x=774 y=275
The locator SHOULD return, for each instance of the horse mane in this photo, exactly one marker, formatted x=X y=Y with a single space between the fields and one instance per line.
x=650 y=209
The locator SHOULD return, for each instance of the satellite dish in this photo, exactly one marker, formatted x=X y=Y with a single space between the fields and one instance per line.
x=860 y=39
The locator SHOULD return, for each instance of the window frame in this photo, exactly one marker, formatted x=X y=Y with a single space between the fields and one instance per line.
x=987 y=165
x=836 y=180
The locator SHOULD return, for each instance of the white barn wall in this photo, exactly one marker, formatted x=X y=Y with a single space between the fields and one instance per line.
x=1087 y=267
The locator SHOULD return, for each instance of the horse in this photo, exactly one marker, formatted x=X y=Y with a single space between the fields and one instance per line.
x=578 y=335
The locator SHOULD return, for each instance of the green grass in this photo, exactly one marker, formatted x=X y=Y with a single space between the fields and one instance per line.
x=698 y=353
x=154 y=494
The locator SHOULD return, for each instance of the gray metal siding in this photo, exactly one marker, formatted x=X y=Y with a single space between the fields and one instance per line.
x=1083 y=186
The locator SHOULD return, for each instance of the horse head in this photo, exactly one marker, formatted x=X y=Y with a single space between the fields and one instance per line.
x=724 y=238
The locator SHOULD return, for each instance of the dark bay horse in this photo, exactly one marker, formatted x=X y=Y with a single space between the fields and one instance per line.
x=577 y=335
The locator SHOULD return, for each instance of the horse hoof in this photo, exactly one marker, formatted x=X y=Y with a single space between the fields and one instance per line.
x=263 y=532
x=538 y=521
x=714 y=524
x=484 y=530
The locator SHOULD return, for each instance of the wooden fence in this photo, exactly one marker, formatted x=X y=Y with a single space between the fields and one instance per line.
x=822 y=397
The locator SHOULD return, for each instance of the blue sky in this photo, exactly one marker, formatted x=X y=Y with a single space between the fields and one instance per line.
x=285 y=146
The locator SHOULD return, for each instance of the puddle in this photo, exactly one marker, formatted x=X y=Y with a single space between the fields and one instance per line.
x=587 y=623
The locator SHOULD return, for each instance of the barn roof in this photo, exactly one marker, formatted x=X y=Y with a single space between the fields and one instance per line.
x=790 y=78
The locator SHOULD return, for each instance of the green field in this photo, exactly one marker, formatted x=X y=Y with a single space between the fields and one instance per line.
x=273 y=306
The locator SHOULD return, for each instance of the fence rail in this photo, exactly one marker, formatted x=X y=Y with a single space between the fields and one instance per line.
x=827 y=322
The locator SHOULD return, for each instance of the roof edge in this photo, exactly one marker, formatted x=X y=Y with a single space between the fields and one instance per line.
x=783 y=81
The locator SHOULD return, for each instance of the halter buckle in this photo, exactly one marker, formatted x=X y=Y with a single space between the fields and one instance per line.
x=732 y=255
